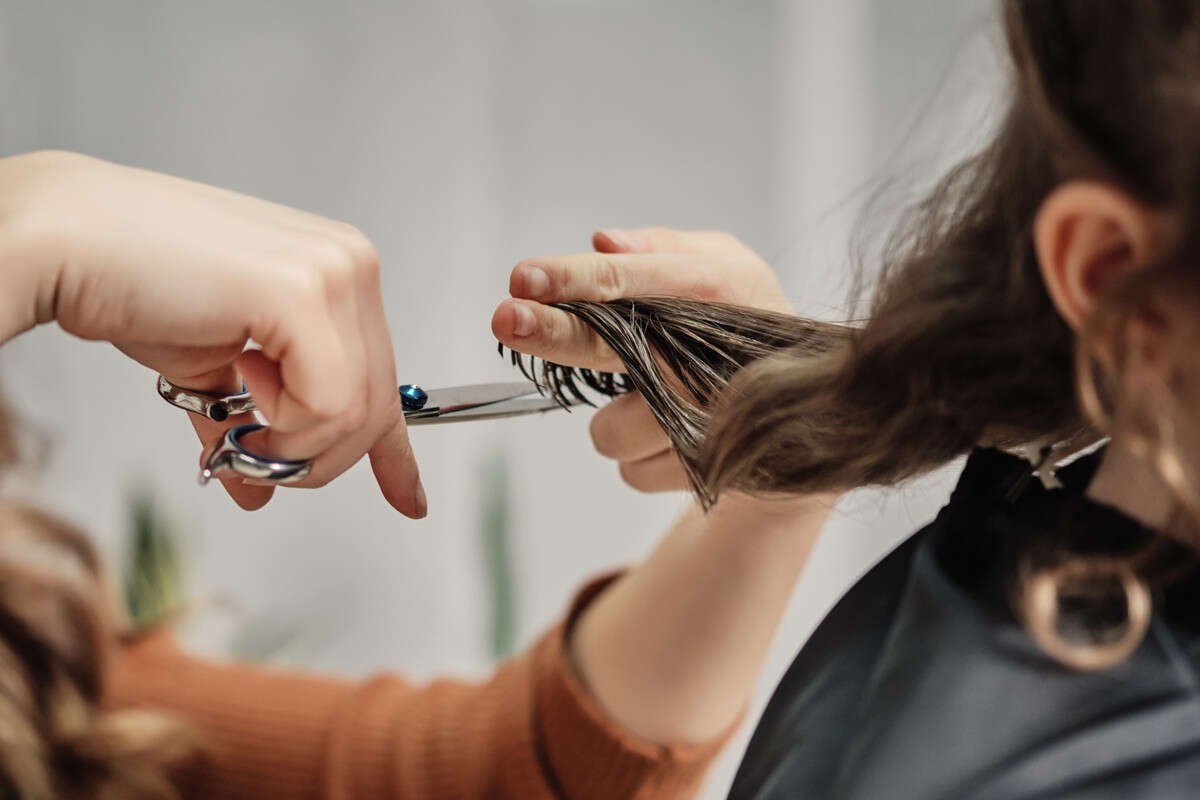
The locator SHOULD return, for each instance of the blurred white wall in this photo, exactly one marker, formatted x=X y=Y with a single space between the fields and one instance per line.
x=462 y=136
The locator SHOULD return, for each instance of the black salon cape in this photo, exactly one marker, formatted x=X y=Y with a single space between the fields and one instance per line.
x=921 y=684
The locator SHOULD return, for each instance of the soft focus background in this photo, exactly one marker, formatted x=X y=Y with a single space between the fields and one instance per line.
x=461 y=136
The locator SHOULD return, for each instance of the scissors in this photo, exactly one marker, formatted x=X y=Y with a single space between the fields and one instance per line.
x=454 y=404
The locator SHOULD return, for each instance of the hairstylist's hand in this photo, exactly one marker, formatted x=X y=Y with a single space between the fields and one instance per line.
x=180 y=276
x=651 y=261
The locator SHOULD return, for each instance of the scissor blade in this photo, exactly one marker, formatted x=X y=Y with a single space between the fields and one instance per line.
x=459 y=398
x=505 y=408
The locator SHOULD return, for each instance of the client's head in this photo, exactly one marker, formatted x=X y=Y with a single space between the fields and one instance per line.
x=1068 y=242
x=1047 y=289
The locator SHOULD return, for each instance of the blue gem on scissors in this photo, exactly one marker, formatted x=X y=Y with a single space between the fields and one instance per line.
x=413 y=398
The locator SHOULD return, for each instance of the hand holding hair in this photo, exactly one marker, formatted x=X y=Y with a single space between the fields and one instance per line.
x=709 y=266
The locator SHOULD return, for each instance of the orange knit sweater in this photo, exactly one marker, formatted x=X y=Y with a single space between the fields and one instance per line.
x=531 y=731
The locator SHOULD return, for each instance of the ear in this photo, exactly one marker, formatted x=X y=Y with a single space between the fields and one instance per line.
x=1086 y=234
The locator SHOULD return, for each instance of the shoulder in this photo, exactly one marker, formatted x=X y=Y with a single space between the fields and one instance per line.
x=921 y=683
x=962 y=703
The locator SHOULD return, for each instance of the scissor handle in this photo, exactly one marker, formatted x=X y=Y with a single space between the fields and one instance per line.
x=216 y=407
x=231 y=455
x=476 y=401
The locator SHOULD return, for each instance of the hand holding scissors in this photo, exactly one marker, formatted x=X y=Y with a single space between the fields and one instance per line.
x=421 y=407
x=180 y=276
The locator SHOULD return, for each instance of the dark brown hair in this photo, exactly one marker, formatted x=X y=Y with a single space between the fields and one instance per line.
x=962 y=345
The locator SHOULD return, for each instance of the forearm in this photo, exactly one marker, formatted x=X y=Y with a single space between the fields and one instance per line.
x=673 y=650
x=530 y=731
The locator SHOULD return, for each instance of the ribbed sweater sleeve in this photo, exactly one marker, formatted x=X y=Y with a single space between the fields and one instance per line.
x=531 y=731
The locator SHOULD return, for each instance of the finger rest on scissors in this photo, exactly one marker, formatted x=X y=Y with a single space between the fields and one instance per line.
x=231 y=455
x=216 y=407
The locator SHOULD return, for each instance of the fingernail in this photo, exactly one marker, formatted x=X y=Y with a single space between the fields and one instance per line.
x=524 y=322
x=624 y=240
x=537 y=282
x=422 y=503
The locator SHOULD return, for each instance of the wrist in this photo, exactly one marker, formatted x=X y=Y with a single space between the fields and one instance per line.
x=30 y=255
x=755 y=536
x=672 y=650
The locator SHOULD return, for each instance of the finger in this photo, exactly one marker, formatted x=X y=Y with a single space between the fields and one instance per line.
x=311 y=364
x=658 y=473
x=396 y=470
x=341 y=279
x=608 y=276
x=380 y=428
x=552 y=334
x=667 y=240
x=729 y=270
x=264 y=380
x=615 y=240
x=247 y=496
x=625 y=430
x=392 y=461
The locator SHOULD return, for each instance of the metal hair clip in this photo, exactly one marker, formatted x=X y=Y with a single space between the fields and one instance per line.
x=1046 y=458
x=421 y=407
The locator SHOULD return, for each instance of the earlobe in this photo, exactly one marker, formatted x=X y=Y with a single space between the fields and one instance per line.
x=1087 y=234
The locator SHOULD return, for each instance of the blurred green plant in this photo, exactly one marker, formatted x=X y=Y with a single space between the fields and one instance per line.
x=495 y=530
x=152 y=574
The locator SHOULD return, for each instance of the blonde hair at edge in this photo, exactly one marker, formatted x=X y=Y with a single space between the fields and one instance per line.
x=56 y=641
